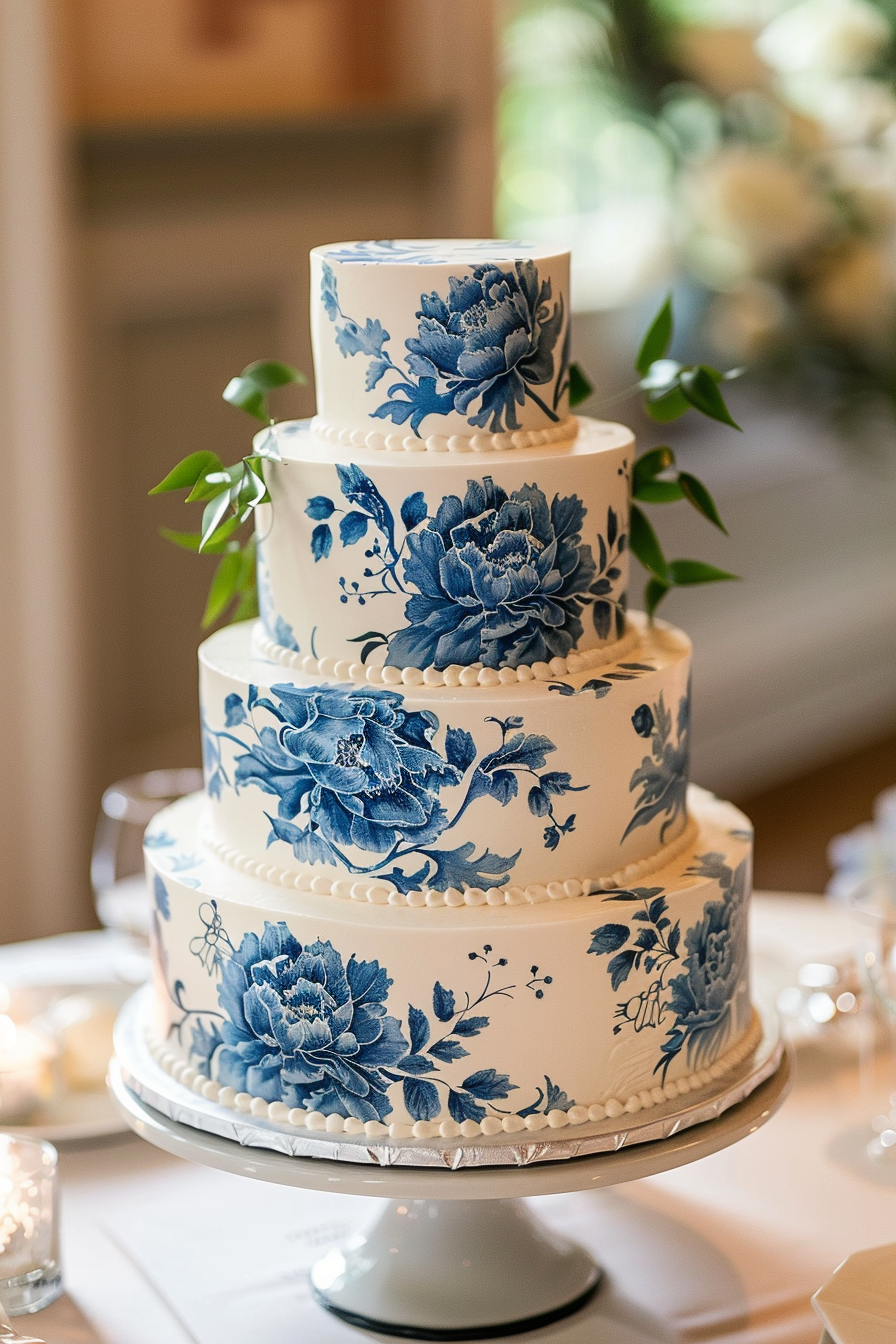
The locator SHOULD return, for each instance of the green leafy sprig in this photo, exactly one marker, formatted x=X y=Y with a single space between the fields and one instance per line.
x=231 y=496
x=670 y=390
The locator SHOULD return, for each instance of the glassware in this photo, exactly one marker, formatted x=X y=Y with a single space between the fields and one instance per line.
x=873 y=906
x=116 y=869
x=30 y=1277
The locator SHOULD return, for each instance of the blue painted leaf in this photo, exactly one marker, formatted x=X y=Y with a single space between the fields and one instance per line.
x=415 y=1064
x=375 y=370
x=421 y=1099
x=488 y=1085
x=407 y=881
x=609 y=938
x=215 y=784
x=503 y=786
x=658 y=907
x=413 y=510
x=359 y=489
x=352 y=527
x=355 y=340
x=418 y=1027
x=234 y=710
x=534 y=1106
x=160 y=892
x=551 y=837
x=557 y=782
x=460 y=749
x=320 y=508
x=674 y=938
x=470 y=1026
x=447 y=1051
x=206 y=1039
x=646 y=940
x=599 y=687
x=442 y=1002
x=307 y=845
x=556 y=1099
x=621 y=965
x=458 y=868
x=321 y=542
x=612 y=525
x=461 y=1108
x=602 y=615
x=252 y=697
x=563 y=688
x=539 y=805
x=416 y=402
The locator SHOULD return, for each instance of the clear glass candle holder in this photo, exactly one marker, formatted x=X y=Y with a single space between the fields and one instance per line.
x=873 y=906
x=30 y=1277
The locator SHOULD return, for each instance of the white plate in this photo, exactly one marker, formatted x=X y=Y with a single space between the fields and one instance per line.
x=77 y=1115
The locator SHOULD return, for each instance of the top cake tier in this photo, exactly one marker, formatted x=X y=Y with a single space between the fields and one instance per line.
x=441 y=339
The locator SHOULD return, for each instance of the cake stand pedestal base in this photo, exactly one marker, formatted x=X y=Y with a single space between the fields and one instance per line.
x=455 y=1255
x=490 y=1268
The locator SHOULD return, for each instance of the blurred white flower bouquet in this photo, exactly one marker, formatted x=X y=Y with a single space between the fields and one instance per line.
x=755 y=155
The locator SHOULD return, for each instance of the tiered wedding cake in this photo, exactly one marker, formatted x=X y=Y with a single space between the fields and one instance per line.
x=447 y=877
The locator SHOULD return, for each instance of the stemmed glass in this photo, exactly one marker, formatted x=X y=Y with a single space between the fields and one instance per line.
x=873 y=906
x=116 y=868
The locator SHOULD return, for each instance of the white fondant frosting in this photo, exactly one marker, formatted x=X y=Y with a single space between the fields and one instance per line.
x=443 y=880
x=579 y=776
x=450 y=338
x=490 y=1006
x=508 y=559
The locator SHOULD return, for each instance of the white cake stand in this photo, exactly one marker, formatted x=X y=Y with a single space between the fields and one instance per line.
x=456 y=1254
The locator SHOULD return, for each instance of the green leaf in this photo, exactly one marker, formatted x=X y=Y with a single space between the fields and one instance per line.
x=657 y=340
x=654 y=592
x=188 y=540
x=223 y=587
x=213 y=515
x=685 y=573
x=266 y=446
x=658 y=492
x=580 y=386
x=698 y=495
x=249 y=390
x=217 y=542
x=667 y=407
x=700 y=386
x=187 y=472
x=247 y=607
x=210 y=483
x=644 y=543
x=649 y=466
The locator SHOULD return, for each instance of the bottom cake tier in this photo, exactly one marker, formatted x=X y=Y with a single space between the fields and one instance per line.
x=447 y=1021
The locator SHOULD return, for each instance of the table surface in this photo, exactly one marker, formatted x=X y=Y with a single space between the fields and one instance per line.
x=729 y=1249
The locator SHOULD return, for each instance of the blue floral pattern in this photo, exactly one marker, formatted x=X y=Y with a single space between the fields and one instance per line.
x=494 y=577
x=361 y=771
x=418 y=253
x=303 y=1026
x=480 y=351
x=662 y=776
x=702 y=999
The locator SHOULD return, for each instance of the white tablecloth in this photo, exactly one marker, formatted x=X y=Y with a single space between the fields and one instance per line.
x=728 y=1249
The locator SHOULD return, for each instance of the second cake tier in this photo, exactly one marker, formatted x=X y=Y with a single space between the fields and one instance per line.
x=447 y=794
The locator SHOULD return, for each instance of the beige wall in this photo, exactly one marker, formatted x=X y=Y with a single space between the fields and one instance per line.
x=188 y=252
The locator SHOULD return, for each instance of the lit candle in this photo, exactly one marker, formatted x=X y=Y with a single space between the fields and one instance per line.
x=27 y=1057
x=29 y=1257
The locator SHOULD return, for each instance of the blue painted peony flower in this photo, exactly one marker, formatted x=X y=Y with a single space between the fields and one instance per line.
x=704 y=996
x=356 y=762
x=305 y=1029
x=501 y=579
x=491 y=341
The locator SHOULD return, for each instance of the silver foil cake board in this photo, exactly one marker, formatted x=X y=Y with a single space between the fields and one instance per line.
x=147 y=1080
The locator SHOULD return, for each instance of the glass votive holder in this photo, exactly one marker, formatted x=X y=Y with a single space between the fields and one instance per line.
x=30 y=1277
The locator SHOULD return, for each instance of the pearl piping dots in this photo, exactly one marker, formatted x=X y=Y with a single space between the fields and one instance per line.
x=612 y=1109
x=564 y=432
x=384 y=893
x=343 y=669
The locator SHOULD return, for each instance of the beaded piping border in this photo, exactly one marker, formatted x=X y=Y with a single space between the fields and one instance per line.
x=383 y=893
x=611 y=1109
x=455 y=675
x=564 y=432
